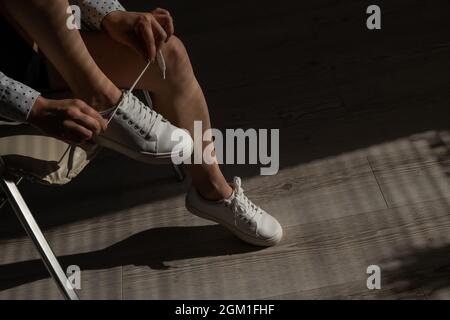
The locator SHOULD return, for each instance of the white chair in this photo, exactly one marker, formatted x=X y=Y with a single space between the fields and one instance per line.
x=26 y=152
x=10 y=148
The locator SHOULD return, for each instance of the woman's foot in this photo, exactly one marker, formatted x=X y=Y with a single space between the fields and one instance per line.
x=141 y=133
x=237 y=213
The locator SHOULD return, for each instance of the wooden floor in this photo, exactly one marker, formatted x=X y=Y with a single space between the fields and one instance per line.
x=364 y=179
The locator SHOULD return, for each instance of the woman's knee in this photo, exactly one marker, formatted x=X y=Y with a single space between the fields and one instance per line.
x=176 y=58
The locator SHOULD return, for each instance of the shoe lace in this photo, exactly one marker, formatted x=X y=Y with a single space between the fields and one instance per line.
x=138 y=111
x=242 y=206
x=142 y=117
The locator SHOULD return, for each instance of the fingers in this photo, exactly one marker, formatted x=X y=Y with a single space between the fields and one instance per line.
x=75 y=132
x=145 y=31
x=167 y=23
x=95 y=115
x=160 y=34
x=165 y=20
x=161 y=11
x=152 y=33
x=89 y=123
x=71 y=120
x=83 y=121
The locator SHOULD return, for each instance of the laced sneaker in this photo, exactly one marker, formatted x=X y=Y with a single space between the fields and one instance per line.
x=239 y=214
x=141 y=133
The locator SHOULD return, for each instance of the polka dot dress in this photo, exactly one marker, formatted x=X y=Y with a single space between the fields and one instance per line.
x=93 y=11
x=16 y=99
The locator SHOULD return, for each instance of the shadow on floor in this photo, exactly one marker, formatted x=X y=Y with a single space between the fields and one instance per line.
x=440 y=144
x=162 y=245
x=426 y=269
x=119 y=183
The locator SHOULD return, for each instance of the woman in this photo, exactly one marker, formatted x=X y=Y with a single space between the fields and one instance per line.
x=94 y=65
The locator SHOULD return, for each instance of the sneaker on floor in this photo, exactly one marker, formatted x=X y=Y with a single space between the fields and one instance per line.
x=240 y=215
x=141 y=133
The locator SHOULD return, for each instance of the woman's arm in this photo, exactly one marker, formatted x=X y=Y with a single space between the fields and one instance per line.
x=70 y=120
x=16 y=99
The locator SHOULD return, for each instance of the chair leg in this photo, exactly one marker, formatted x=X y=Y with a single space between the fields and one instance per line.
x=34 y=232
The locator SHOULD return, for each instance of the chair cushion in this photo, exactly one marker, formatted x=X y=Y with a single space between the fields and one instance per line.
x=29 y=153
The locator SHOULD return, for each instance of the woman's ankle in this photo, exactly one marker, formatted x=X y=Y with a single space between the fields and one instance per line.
x=101 y=99
x=215 y=193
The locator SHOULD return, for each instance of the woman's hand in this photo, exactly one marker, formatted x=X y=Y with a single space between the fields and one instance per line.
x=143 y=32
x=70 y=120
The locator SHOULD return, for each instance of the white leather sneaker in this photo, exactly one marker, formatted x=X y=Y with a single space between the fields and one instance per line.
x=141 y=133
x=240 y=215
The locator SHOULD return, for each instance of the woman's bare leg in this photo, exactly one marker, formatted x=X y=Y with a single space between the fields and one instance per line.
x=44 y=21
x=179 y=97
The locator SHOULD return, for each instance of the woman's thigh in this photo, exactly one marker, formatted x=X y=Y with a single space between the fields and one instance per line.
x=120 y=64
x=179 y=97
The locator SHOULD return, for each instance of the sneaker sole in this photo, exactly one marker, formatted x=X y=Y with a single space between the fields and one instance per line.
x=241 y=235
x=147 y=157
